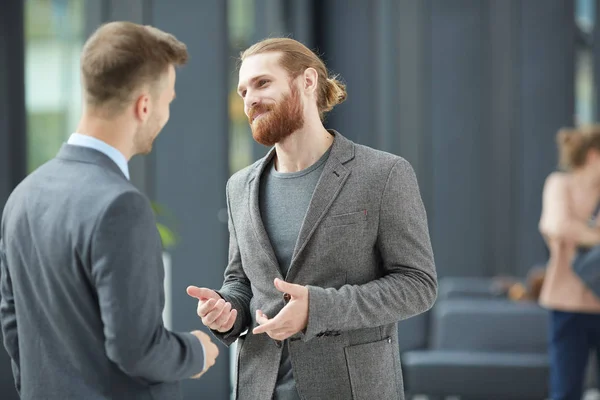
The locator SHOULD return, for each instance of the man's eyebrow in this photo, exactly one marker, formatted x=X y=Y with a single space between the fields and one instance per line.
x=256 y=78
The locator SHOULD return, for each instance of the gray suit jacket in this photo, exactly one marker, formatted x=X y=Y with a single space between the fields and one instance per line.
x=364 y=253
x=82 y=287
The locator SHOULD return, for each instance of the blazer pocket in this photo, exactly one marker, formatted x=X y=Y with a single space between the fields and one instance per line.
x=371 y=370
x=346 y=219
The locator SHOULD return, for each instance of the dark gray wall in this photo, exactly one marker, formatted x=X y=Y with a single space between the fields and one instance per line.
x=12 y=99
x=347 y=42
x=299 y=18
x=12 y=132
x=413 y=131
x=471 y=92
x=547 y=54
x=458 y=111
x=503 y=128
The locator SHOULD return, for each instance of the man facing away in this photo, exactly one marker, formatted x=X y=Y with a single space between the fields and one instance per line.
x=329 y=246
x=81 y=268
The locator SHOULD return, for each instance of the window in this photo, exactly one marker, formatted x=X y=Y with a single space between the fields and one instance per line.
x=585 y=98
x=241 y=31
x=54 y=36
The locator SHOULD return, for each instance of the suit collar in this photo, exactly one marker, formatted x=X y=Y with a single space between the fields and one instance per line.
x=88 y=155
x=342 y=150
x=78 y=139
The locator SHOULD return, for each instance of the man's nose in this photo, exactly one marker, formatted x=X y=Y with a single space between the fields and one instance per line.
x=251 y=101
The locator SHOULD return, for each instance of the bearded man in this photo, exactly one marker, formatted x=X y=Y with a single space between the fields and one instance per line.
x=329 y=245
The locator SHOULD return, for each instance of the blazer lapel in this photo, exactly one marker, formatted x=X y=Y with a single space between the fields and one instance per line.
x=254 y=210
x=332 y=180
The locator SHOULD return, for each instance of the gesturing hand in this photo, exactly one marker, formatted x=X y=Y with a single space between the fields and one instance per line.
x=292 y=318
x=211 y=351
x=215 y=312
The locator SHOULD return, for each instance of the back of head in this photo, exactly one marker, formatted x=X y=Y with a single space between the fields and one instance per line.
x=574 y=145
x=295 y=59
x=122 y=57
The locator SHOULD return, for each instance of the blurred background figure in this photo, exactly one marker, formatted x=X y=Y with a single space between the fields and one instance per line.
x=570 y=200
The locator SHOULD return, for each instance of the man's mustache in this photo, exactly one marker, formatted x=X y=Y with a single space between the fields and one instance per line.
x=259 y=109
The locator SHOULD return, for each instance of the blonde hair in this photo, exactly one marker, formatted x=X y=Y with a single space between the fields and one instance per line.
x=575 y=143
x=295 y=59
x=120 y=57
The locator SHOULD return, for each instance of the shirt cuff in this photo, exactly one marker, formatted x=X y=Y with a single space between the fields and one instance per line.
x=203 y=357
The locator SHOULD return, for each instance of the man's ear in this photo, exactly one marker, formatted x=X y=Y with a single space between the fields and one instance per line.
x=310 y=80
x=142 y=107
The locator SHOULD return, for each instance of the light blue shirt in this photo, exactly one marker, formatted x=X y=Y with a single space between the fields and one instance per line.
x=118 y=158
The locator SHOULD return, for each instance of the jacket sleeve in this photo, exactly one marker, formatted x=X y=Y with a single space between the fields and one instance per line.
x=409 y=284
x=236 y=287
x=128 y=274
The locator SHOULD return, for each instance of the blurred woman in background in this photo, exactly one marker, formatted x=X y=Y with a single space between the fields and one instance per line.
x=570 y=200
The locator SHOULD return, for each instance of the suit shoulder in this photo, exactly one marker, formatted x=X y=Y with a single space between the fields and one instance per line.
x=380 y=160
x=33 y=180
x=110 y=188
x=240 y=178
x=126 y=198
x=124 y=207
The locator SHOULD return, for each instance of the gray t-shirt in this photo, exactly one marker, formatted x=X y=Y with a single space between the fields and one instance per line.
x=284 y=200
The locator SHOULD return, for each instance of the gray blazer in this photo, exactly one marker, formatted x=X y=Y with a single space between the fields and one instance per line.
x=365 y=254
x=82 y=287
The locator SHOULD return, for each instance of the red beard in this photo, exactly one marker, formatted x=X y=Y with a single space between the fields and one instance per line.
x=280 y=121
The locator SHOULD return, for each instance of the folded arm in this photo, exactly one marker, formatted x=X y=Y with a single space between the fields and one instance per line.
x=557 y=220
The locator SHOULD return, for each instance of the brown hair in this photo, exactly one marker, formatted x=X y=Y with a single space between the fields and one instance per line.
x=574 y=145
x=121 y=57
x=296 y=58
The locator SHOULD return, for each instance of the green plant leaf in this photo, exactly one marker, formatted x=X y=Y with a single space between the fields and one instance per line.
x=167 y=236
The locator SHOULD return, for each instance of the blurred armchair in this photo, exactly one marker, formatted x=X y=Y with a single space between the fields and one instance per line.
x=482 y=349
x=477 y=344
